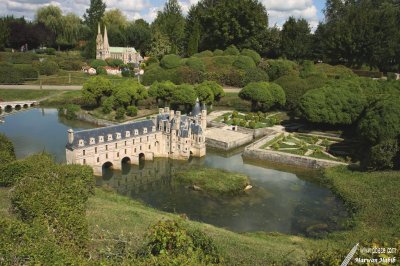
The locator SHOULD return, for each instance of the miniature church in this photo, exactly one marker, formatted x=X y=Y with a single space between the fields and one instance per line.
x=104 y=50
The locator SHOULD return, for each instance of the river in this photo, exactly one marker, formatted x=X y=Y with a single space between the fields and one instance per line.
x=283 y=199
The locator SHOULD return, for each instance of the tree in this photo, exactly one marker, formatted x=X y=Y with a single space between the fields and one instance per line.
x=71 y=28
x=204 y=93
x=162 y=91
x=192 y=36
x=294 y=88
x=138 y=35
x=183 y=95
x=160 y=45
x=115 y=17
x=51 y=17
x=278 y=68
x=226 y=22
x=95 y=88
x=217 y=89
x=338 y=103
x=171 y=23
x=296 y=39
x=92 y=18
x=4 y=34
x=263 y=95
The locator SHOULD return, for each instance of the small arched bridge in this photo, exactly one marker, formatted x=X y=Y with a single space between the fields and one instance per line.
x=17 y=104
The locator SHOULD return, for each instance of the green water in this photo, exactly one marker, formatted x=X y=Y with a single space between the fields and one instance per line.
x=283 y=199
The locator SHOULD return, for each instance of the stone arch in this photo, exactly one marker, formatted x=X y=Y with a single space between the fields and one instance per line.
x=106 y=170
x=25 y=105
x=17 y=107
x=142 y=157
x=126 y=165
x=32 y=104
x=126 y=159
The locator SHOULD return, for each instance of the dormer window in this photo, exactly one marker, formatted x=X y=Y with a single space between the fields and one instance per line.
x=101 y=138
x=92 y=141
x=109 y=137
x=136 y=132
x=145 y=130
x=127 y=134
x=81 y=143
x=118 y=135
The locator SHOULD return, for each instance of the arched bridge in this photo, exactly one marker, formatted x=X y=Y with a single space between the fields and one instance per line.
x=16 y=104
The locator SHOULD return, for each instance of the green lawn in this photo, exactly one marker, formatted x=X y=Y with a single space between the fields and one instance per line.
x=18 y=95
x=67 y=97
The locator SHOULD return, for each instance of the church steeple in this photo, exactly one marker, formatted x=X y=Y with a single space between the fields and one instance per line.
x=106 y=45
x=99 y=39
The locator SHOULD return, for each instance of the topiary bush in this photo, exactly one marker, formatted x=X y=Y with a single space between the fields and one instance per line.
x=107 y=105
x=120 y=113
x=170 y=61
x=231 y=50
x=69 y=111
x=98 y=63
x=101 y=71
x=48 y=67
x=23 y=58
x=244 y=62
x=253 y=54
x=132 y=111
x=218 y=52
x=27 y=71
x=206 y=53
x=195 y=63
x=254 y=75
x=185 y=74
x=154 y=74
x=278 y=68
x=114 y=62
x=71 y=65
x=10 y=75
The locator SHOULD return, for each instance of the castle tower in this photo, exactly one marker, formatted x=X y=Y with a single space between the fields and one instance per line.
x=106 y=45
x=203 y=117
x=99 y=44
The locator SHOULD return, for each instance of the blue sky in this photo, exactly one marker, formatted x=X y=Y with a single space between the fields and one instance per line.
x=279 y=10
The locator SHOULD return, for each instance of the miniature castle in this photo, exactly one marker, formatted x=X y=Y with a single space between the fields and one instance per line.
x=104 y=51
x=168 y=135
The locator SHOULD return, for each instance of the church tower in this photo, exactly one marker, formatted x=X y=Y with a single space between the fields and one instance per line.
x=99 y=44
x=106 y=50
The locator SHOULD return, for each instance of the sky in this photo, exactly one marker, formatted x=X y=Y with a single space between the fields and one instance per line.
x=278 y=10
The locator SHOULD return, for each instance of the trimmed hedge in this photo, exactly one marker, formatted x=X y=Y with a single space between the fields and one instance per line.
x=206 y=53
x=368 y=74
x=48 y=67
x=71 y=65
x=231 y=50
x=244 y=62
x=253 y=54
x=195 y=63
x=218 y=52
x=10 y=75
x=98 y=63
x=170 y=61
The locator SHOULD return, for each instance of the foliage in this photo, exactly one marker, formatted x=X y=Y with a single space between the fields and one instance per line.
x=69 y=111
x=10 y=74
x=170 y=61
x=131 y=111
x=71 y=65
x=381 y=156
x=153 y=74
x=206 y=53
x=96 y=63
x=244 y=62
x=218 y=52
x=204 y=93
x=336 y=72
x=113 y=62
x=120 y=113
x=48 y=67
x=254 y=75
x=231 y=50
x=263 y=95
x=279 y=68
x=253 y=54
x=183 y=95
x=7 y=154
x=138 y=35
x=185 y=74
x=340 y=103
x=95 y=88
x=296 y=39
x=162 y=91
x=195 y=63
x=216 y=89
x=294 y=88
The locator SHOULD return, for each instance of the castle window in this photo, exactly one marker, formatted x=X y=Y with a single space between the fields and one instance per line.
x=101 y=139
x=84 y=152
x=81 y=142
x=109 y=137
x=147 y=138
x=125 y=151
x=140 y=140
x=145 y=130
x=98 y=159
x=149 y=147
x=92 y=141
x=127 y=134
x=133 y=141
x=106 y=155
x=117 y=154
x=116 y=145
x=118 y=135
x=106 y=147
x=95 y=149
x=136 y=132
x=125 y=142
x=84 y=161
x=134 y=150
x=140 y=147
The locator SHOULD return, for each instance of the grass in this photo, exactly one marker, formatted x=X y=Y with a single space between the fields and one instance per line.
x=73 y=97
x=19 y=95
x=4 y=202
x=213 y=180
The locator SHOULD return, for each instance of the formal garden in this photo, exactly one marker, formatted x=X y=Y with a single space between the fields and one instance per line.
x=250 y=120
x=313 y=146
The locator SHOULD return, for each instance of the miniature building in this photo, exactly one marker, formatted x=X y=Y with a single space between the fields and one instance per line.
x=104 y=51
x=169 y=135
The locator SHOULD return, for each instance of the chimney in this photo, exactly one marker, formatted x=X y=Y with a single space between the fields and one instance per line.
x=70 y=136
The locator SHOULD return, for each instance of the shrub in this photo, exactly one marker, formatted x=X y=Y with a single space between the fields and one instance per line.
x=22 y=58
x=252 y=124
x=244 y=62
x=48 y=51
x=6 y=149
x=154 y=74
x=231 y=50
x=120 y=113
x=101 y=71
x=48 y=67
x=195 y=63
x=107 y=105
x=10 y=75
x=188 y=75
x=278 y=68
x=152 y=60
x=126 y=72
x=131 y=111
x=71 y=65
x=27 y=71
x=96 y=63
x=263 y=95
x=363 y=73
x=114 y=62
x=335 y=71
x=254 y=75
x=170 y=61
x=223 y=61
x=253 y=54
x=69 y=111
x=391 y=76
x=206 y=53
x=243 y=123
x=218 y=52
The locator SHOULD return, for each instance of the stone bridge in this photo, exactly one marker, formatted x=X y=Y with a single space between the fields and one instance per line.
x=16 y=104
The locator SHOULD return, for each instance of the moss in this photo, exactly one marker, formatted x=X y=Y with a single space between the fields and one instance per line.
x=213 y=180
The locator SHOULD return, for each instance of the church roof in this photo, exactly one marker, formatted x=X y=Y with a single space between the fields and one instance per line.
x=122 y=49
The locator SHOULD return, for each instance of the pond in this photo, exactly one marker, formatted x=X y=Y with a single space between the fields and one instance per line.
x=283 y=199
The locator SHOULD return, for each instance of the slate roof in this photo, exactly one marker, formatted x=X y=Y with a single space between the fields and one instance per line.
x=85 y=135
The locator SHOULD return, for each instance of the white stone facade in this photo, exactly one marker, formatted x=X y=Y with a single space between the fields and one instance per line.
x=169 y=135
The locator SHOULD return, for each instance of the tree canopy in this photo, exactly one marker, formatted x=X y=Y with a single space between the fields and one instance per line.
x=263 y=95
